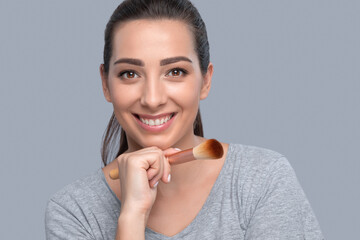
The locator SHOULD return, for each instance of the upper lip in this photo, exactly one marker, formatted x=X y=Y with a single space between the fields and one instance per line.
x=147 y=116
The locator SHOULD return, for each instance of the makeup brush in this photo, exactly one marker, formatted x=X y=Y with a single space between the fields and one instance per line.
x=210 y=149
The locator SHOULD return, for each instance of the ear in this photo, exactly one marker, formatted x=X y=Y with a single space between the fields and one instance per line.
x=206 y=85
x=104 y=80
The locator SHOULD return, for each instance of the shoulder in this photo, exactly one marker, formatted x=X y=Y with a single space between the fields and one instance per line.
x=254 y=159
x=83 y=196
x=267 y=188
x=86 y=207
x=257 y=170
x=67 y=209
x=79 y=189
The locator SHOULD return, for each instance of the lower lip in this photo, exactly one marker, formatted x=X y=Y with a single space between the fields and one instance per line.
x=155 y=128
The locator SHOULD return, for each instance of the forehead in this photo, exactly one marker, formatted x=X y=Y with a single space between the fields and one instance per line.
x=153 y=39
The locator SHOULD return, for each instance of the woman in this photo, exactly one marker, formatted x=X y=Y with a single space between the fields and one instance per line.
x=156 y=70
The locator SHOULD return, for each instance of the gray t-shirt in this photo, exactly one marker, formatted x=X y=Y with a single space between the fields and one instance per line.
x=256 y=196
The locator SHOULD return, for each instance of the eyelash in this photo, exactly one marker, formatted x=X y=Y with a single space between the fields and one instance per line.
x=121 y=74
x=182 y=72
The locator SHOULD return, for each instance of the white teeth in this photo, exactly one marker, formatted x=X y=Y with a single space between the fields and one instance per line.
x=155 y=122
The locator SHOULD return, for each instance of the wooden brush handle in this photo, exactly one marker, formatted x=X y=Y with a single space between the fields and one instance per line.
x=181 y=157
x=210 y=149
x=175 y=158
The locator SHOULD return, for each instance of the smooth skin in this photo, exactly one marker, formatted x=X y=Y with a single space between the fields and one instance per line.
x=163 y=76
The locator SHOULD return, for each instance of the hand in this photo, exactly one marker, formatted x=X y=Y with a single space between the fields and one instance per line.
x=139 y=174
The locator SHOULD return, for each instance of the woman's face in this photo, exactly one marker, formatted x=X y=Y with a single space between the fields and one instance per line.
x=155 y=83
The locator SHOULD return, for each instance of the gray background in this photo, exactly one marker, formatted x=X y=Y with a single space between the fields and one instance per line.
x=286 y=78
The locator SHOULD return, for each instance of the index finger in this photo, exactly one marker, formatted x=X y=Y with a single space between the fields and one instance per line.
x=170 y=151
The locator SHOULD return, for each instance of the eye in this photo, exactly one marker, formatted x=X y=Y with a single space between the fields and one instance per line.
x=128 y=74
x=177 y=72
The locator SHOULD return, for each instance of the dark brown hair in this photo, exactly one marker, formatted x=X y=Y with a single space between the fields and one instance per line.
x=183 y=10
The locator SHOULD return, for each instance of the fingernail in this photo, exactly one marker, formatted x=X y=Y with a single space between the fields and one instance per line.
x=169 y=178
x=177 y=149
x=155 y=185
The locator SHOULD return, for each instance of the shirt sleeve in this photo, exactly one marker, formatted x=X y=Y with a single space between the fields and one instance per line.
x=61 y=223
x=281 y=209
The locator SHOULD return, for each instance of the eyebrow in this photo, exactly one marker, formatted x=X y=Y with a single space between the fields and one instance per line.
x=132 y=61
x=167 y=61
x=163 y=62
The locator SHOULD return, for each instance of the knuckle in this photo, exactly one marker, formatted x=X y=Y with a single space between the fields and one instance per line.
x=156 y=155
x=121 y=158
x=128 y=160
x=154 y=148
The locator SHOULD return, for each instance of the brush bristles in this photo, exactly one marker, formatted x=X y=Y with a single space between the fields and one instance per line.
x=210 y=149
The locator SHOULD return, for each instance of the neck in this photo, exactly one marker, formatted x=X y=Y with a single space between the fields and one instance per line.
x=183 y=176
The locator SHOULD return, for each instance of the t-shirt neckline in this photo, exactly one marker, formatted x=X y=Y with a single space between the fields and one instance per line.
x=202 y=211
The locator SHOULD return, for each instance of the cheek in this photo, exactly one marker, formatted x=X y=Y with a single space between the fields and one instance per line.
x=186 y=94
x=123 y=97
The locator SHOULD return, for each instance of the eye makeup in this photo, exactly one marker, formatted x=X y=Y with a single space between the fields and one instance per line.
x=128 y=74
x=177 y=72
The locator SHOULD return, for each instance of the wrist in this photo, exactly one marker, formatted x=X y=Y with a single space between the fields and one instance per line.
x=131 y=226
x=132 y=209
x=128 y=217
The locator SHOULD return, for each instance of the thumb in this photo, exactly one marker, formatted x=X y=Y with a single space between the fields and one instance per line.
x=167 y=168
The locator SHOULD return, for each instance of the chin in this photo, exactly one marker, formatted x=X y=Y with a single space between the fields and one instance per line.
x=160 y=143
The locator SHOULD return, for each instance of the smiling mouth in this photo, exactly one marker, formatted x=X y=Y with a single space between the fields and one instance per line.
x=154 y=121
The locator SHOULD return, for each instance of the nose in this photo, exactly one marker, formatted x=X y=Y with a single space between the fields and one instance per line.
x=154 y=93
